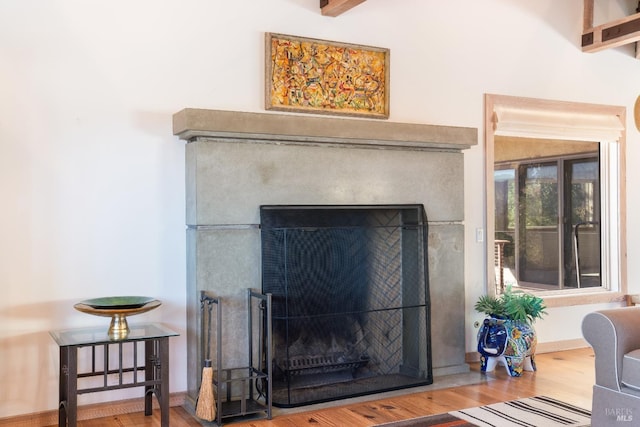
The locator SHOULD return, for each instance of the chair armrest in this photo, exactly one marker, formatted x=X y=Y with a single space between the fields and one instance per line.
x=612 y=333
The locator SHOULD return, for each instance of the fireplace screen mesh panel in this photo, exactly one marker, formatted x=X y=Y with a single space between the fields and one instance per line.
x=350 y=299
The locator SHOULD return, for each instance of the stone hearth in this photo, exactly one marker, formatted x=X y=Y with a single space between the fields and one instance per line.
x=237 y=162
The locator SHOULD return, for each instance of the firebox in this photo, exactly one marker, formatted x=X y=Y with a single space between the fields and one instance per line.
x=350 y=295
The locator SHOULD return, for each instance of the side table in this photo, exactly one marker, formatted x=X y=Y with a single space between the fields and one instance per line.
x=139 y=360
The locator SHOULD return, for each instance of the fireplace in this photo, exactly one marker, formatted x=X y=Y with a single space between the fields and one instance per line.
x=350 y=296
x=238 y=162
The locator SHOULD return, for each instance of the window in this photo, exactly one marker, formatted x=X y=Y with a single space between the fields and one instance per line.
x=547 y=214
x=555 y=198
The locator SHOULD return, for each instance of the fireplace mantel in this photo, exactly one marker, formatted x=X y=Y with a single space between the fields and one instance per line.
x=192 y=123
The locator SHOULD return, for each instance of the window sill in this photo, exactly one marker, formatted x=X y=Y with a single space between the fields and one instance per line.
x=589 y=296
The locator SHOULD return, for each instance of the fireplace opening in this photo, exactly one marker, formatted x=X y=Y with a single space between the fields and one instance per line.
x=350 y=300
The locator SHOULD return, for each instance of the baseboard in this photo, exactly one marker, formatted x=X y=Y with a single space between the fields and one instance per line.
x=88 y=412
x=552 y=347
x=545 y=347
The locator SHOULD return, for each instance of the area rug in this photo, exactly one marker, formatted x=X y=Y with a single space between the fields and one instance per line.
x=539 y=411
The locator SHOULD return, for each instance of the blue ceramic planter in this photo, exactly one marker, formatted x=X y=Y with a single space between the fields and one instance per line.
x=510 y=342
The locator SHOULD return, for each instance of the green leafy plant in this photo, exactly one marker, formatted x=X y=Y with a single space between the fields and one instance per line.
x=514 y=305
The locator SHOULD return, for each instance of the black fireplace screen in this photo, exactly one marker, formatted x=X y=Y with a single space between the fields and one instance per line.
x=350 y=298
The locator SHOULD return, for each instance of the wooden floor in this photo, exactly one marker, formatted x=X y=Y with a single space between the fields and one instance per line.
x=567 y=376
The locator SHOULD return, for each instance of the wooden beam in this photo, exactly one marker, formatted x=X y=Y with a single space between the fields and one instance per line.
x=587 y=22
x=612 y=34
x=336 y=7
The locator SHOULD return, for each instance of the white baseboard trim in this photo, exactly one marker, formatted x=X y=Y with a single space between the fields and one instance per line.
x=552 y=347
x=544 y=347
x=88 y=412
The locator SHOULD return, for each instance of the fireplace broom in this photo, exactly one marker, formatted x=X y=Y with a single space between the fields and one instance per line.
x=206 y=403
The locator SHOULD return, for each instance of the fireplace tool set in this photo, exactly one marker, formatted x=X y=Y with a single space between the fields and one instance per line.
x=236 y=391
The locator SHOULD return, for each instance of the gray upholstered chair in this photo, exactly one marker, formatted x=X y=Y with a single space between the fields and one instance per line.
x=614 y=335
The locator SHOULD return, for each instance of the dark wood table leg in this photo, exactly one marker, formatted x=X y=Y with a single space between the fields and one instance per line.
x=149 y=375
x=68 y=391
x=163 y=371
x=157 y=371
x=63 y=388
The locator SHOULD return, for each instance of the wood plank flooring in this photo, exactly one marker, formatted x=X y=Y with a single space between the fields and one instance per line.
x=567 y=375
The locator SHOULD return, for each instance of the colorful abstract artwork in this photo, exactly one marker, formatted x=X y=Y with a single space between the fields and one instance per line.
x=318 y=76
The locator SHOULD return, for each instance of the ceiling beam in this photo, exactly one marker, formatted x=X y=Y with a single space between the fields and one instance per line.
x=337 y=7
x=609 y=35
x=587 y=16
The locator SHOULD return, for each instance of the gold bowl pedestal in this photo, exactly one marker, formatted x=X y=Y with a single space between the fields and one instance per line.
x=119 y=328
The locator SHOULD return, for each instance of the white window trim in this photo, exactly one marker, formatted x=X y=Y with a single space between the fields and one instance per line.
x=610 y=217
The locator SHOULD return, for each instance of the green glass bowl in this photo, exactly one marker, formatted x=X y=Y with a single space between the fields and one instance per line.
x=117 y=302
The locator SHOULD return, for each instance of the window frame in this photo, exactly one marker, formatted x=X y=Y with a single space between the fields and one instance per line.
x=531 y=118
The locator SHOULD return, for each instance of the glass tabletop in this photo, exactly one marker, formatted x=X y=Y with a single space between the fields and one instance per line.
x=98 y=334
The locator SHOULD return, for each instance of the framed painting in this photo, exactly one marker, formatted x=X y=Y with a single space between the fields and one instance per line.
x=326 y=77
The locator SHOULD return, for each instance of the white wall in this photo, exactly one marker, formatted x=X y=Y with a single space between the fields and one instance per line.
x=91 y=178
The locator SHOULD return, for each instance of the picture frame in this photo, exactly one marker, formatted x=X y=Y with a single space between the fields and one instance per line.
x=326 y=77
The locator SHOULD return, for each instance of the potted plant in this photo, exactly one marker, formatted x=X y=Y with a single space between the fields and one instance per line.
x=512 y=305
x=507 y=335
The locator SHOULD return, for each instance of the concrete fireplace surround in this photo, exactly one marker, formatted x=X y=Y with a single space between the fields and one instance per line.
x=238 y=161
